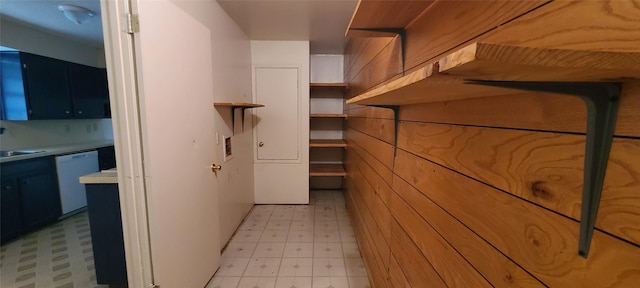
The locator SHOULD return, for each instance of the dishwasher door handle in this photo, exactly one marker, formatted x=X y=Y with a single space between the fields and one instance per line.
x=83 y=155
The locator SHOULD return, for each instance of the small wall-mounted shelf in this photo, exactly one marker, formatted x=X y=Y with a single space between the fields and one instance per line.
x=326 y=170
x=237 y=105
x=328 y=115
x=327 y=143
x=485 y=70
x=339 y=86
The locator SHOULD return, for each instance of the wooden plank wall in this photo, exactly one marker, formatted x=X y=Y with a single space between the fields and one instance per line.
x=487 y=192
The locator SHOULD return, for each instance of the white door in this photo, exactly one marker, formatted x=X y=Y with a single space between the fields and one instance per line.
x=174 y=72
x=277 y=131
x=281 y=82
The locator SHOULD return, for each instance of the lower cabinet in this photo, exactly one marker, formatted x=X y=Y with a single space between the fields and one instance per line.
x=10 y=208
x=40 y=202
x=103 y=203
x=30 y=198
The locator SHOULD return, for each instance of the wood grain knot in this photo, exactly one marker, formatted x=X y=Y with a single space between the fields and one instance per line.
x=535 y=242
x=539 y=243
x=508 y=277
x=539 y=189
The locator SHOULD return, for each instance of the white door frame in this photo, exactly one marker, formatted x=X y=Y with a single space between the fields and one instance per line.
x=125 y=112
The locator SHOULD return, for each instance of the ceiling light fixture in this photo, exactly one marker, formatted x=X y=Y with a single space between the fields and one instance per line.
x=76 y=14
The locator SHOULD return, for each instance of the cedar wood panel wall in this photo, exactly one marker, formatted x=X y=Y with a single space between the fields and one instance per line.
x=487 y=192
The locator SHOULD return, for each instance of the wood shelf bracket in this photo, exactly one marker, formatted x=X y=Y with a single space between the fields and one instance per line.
x=237 y=105
x=602 y=100
x=233 y=117
x=398 y=31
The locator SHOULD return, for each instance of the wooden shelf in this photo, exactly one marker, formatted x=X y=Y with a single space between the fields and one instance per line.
x=383 y=14
x=485 y=70
x=327 y=143
x=447 y=79
x=328 y=115
x=326 y=170
x=483 y=61
x=237 y=104
x=422 y=86
x=342 y=86
x=325 y=167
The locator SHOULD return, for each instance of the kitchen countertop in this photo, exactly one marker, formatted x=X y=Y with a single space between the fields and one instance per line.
x=58 y=150
x=103 y=177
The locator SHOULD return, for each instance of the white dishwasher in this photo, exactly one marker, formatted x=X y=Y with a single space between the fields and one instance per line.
x=70 y=168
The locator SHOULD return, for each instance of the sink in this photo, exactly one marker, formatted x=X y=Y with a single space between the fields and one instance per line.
x=18 y=152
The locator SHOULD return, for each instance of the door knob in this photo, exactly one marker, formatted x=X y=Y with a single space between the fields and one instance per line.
x=215 y=168
x=260 y=144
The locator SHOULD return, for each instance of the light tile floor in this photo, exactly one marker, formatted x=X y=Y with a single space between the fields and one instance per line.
x=57 y=256
x=303 y=246
x=294 y=246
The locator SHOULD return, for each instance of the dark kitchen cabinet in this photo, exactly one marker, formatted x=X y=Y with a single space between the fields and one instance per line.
x=106 y=157
x=30 y=198
x=103 y=204
x=40 y=88
x=40 y=202
x=89 y=91
x=10 y=207
x=46 y=83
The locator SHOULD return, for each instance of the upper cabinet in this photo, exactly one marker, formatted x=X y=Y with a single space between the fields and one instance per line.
x=40 y=88
x=46 y=84
x=89 y=91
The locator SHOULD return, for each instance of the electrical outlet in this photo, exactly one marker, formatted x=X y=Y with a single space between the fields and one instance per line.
x=67 y=128
x=95 y=127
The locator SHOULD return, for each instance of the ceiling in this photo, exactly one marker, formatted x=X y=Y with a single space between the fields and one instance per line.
x=322 y=22
x=44 y=15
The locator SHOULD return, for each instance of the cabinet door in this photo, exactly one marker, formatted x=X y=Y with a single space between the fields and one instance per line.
x=89 y=91
x=106 y=157
x=10 y=210
x=14 y=104
x=40 y=198
x=103 y=204
x=47 y=87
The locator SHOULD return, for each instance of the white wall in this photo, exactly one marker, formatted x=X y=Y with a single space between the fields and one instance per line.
x=231 y=60
x=27 y=39
x=285 y=182
x=327 y=68
x=45 y=133
x=32 y=134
